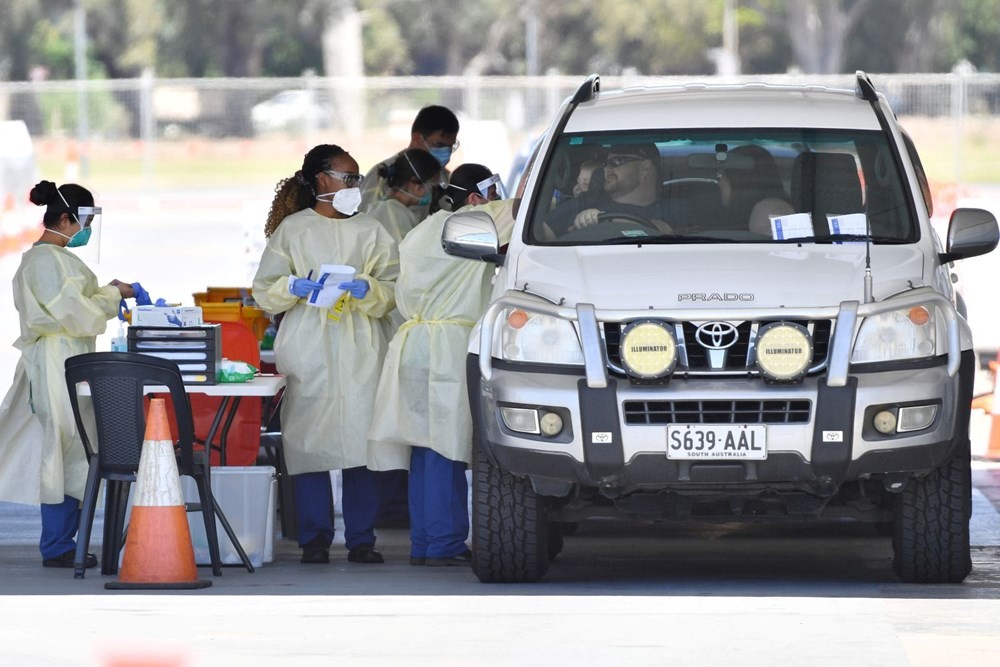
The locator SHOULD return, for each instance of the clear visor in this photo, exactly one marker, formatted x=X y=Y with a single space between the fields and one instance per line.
x=88 y=215
x=484 y=187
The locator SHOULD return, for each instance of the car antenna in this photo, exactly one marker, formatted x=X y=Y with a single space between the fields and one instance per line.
x=869 y=297
x=865 y=89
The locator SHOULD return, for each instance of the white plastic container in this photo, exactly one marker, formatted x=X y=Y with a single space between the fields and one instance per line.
x=247 y=496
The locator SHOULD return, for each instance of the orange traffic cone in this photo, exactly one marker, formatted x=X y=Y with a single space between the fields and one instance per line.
x=158 y=550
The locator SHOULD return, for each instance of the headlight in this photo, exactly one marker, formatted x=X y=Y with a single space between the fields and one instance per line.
x=539 y=339
x=900 y=334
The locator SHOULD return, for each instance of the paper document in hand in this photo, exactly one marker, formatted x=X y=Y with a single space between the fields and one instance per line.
x=331 y=275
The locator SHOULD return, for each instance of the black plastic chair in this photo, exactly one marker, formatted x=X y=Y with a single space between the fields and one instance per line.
x=117 y=381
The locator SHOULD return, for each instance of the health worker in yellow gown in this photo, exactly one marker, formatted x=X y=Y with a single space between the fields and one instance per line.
x=331 y=355
x=62 y=309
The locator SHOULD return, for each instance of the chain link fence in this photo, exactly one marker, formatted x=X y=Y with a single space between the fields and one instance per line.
x=150 y=124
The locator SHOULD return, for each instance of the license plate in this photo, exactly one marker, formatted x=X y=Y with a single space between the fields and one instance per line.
x=747 y=442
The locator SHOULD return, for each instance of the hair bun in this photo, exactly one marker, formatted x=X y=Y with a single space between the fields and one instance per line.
x=43 y=193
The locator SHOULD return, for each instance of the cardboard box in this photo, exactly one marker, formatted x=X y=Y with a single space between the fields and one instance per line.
x=167 y=316
x=248 y=497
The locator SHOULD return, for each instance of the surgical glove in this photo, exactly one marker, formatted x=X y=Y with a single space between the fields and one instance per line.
x=357 y=288
x=141 y=295
x=303 y=287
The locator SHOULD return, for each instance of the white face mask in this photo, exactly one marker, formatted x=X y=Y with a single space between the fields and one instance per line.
x=344 y=201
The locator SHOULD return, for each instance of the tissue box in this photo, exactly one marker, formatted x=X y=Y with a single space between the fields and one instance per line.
x=167 y=316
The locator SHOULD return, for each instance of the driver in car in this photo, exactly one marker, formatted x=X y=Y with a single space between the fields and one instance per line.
x=631 y=194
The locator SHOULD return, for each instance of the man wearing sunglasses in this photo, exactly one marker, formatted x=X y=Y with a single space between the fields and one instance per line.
x=631 y=187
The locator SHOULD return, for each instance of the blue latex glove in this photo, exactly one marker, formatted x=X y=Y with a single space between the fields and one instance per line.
x=141 y=295
x=357 y=288
x=303 y=287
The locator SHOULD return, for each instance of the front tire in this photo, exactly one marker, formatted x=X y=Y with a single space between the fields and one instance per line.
x=930 y=539
x=509 y=530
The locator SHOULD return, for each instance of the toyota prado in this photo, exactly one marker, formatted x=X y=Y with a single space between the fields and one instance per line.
x=746 y=316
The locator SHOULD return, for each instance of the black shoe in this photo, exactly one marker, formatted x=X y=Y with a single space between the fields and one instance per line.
x=464 y=558
x=416 y=560
x=316 y=551
x=365 y=554
x=66 y=560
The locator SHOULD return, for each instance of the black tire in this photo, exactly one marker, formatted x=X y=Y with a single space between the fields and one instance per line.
x=509 y=530
x=930 y=541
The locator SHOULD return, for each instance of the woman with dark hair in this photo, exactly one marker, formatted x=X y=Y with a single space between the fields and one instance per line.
x=330 y=355
x=422 y=420
x=408 y=183
x=62 y=310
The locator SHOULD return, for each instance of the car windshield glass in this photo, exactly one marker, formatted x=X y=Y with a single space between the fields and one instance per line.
x=721 y=186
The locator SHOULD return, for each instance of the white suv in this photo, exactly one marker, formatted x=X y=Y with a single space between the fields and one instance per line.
x=746 y=317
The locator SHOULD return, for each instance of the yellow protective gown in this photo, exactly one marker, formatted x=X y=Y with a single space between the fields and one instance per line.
x=332 y=365
x=62 y=310
x=422 y=400
x=397 y=218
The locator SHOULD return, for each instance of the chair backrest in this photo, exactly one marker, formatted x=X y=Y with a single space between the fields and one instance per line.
x=116 y=382
x=826 y=183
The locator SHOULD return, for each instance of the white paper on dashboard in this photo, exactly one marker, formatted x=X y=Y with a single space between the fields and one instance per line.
x=848 y=223
x=791 y=226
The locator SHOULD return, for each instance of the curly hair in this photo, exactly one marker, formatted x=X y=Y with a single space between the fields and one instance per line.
x=58 y=200
x=298 y=192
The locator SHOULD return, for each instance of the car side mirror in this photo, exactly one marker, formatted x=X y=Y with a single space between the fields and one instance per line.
x=472 y=235
x=971 y=232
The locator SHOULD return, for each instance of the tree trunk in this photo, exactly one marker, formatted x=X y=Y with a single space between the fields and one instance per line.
x=817 y=30
x=343 y=57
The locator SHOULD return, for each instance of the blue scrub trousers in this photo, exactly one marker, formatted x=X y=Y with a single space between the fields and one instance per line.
x=59 y=525
x=439 y=505
x=314 y=506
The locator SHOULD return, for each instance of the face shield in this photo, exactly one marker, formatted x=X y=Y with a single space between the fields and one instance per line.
x=485 y=186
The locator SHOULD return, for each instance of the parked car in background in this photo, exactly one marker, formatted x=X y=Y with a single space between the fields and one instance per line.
x=292 y=110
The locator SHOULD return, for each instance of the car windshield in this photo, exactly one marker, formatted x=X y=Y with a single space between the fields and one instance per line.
x=721 y=186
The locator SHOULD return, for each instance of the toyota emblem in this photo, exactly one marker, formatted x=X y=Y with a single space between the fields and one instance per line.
x=717 y=335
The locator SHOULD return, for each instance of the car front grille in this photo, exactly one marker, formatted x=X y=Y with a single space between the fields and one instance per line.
x=718 y=412
x=737 y=359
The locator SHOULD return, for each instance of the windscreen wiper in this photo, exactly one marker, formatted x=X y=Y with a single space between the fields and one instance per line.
x=848 y=238
x=662 y=239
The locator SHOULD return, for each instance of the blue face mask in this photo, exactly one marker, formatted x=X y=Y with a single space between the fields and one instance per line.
x=442 y=154
x=81 y=238
x=425 y=200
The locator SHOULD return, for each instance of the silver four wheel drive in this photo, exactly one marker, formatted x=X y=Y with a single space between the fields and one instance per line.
x=747 y=316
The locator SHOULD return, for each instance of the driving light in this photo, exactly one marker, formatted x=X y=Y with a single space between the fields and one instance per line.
x=784 y=351
x=648 y=349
